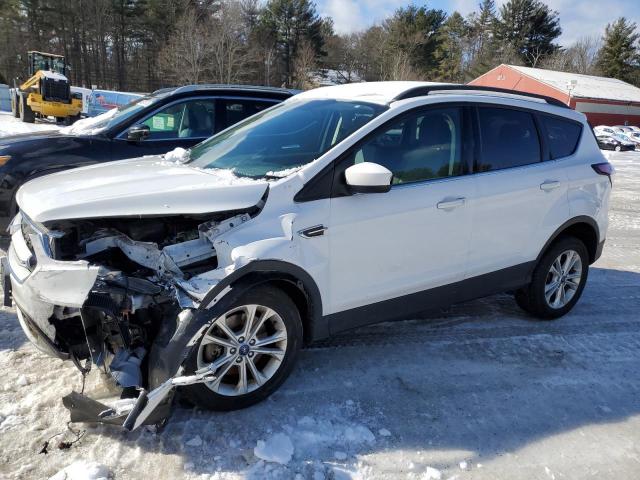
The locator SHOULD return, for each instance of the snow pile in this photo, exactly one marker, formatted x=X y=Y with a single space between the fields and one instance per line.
x=82 y=470
x=9 y=125
x=431 y=474
x=178 y=155
x=277 y=448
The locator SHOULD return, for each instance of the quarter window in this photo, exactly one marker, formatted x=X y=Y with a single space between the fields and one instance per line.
x=562 y=136
x=509 y=138
x=423 y=146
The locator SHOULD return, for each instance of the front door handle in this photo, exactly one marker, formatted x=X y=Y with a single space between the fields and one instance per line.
x=451 y=204
x=549 y=185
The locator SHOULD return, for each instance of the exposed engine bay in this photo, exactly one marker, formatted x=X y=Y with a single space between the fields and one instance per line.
x=151 y=274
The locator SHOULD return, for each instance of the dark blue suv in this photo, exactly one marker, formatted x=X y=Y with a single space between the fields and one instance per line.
x=152 y=125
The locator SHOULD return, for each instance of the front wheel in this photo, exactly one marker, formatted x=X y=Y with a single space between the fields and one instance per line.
x=557 y=281
x=26 y=114
x=618 y=148
x=251 y=348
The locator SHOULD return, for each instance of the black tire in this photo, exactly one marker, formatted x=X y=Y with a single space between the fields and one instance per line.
x=282 y=304
x=71 y=119
x=532 y=298
x=26 y=114
x=15 y=109
x=60 y=119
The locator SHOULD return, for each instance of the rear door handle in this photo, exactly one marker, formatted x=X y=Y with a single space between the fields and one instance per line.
x=451 y=204
x=549 y=185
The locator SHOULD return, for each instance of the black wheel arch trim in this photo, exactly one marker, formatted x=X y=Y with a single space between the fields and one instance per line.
x=264 y=271
x=172 y=348
x=566 y=225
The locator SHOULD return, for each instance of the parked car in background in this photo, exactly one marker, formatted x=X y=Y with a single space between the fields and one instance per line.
x=610 y=142
x=629 y=137
x=5 y=98
x=155 y=124
x=101 y=101
x=341 y=207
x=604 y=130
x=625 y=128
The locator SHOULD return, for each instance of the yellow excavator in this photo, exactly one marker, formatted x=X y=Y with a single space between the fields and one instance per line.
x=47 y=92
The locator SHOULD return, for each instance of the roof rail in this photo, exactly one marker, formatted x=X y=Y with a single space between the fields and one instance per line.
x=426 y=90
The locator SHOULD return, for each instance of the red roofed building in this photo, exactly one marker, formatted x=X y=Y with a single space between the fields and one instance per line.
x=605 y=101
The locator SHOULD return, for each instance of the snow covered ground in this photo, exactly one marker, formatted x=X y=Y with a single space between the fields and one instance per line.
x=9 y=125
x=477 y=392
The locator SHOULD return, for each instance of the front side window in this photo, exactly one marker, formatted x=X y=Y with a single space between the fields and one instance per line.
x=191 y=119
x=562 y=136
x=284 y=137
x=509 y=138
x=422 y=146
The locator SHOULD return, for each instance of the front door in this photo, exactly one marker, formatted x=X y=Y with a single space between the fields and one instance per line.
x=180 y=124
x=414 y=237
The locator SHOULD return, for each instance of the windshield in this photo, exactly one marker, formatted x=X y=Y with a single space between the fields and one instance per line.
x=276 y=142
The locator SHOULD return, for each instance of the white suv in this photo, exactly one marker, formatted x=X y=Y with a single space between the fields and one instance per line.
x=340 y=207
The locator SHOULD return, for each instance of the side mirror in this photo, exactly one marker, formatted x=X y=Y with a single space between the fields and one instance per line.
x=138 y=132
x=367 y=177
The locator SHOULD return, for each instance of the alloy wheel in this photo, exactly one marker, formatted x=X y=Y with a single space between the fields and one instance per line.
x=244 y=348
x=563 y=279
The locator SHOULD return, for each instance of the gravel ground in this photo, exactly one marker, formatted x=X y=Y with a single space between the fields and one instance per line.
x=478 y=392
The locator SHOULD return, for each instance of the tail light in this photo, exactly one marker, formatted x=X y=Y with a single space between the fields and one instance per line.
x=604 y=168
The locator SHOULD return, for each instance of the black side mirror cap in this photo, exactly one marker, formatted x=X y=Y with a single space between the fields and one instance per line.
x=138 y=132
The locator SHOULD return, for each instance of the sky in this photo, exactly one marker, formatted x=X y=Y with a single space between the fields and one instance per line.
x=578 y=18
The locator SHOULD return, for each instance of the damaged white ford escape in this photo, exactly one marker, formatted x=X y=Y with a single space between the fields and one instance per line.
x=207 y=270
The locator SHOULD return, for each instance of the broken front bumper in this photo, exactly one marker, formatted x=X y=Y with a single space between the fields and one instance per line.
x=39 y=284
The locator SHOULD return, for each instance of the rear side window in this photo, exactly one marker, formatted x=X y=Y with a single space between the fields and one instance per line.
x=509 y=138
x=236 y=110
x=562 y=136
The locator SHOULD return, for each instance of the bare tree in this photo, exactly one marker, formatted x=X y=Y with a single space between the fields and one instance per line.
x=304 y=66
x=581 y=57
x=186 y=56
x=227 y=44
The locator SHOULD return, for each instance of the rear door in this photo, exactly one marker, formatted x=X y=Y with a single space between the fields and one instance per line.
x=521 y=191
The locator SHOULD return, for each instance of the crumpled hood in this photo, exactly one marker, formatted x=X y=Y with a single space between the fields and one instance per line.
x=137 y=187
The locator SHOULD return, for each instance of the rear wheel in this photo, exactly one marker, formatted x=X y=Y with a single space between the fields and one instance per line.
x=557 y=281
x=251 y=348
x=618 y=148
x=26 y=114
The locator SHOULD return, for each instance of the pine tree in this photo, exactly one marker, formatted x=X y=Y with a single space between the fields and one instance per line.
x=451 y=51
x=293 y=23
x=618 y=57
x=414 y=32
x=529 y=28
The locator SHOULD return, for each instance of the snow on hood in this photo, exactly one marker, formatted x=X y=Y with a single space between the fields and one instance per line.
x=136 y=187
x=179 y=155
x=89 y=126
